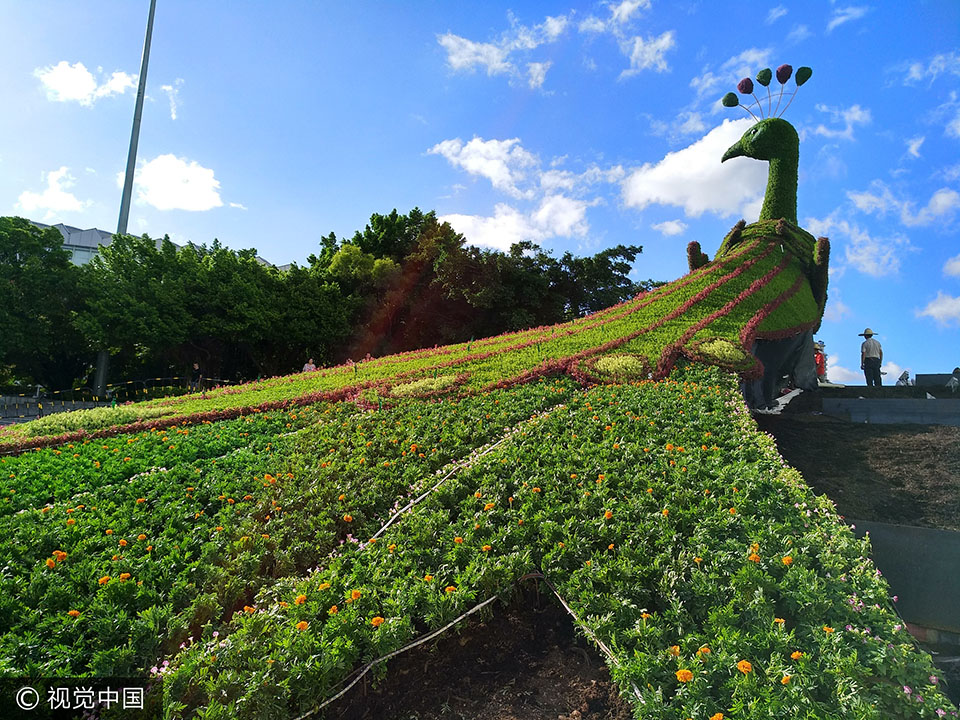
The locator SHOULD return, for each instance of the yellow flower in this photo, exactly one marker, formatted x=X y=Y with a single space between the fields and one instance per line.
x=303 y=625
x=323 y=586
x=377 y=621
x=674 y=650
x=785 y=680
x=827 y=629
x=684 y=676
x=645 y=615
x=665 y=512
x=744 y=666
x=779 y=621
x=796 y=655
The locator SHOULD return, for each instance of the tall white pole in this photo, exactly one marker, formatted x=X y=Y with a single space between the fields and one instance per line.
x=135 y=134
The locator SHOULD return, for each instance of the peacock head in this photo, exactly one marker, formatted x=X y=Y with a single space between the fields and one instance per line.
x=769 y=139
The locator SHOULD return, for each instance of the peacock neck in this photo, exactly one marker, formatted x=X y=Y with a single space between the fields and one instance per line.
x=780 y=199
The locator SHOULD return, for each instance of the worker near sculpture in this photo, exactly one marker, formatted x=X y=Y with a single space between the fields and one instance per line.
x=871 y=357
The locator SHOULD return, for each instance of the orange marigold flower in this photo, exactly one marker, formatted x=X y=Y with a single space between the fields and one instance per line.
x=827 y=629
x=141 y=500
x=698 y=560
x=109 y=532
x=377 y=621
x=718 y=716
x=74 y=613
x=104 y=580
x=124 y=577
x=458 y=540
x=451 y=588
x=122 y=543
x=333 y=610
x=703 y=651
x=478 y=494
x=753 y=557
x=787 y=560
x=427 y=578
x=733 y=511
x=149 y=548
x=785 y=680
x=51 y=563
x=665 y=512
x=607 y=515
x=645 y=615
x=342 y=497
x=744 y=666
x=301 y=599
x=796 y=655
x=303 y=625
x=610 y=546
x=536 y=489
x=354 y=594
x=141 y=536
x=348 y=518
x=779 y=621
x=488 y=506
x=684 y=676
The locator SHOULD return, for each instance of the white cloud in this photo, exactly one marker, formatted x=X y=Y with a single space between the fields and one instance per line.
x=836 y=310
x=537 y=73
x=913 y=146
x=55 y=198
x=64 y=82
x=463 y=54
x=798 y=34
x=503 y=162
x=875 y=256
x=850 y=117
x=173 y=92
x=844 y=15
x=623 y=11
x=468 y=55
x=952 y=267
x=171 y=183
x=839 y=374
x=670 y=227
x=238 y=206
x=746 y=64
x=775 y=14
x=936 y=66
x=944 y=309
x=942 y=205
x=649 y=53
x=592 y=24
x=556 y=215
x=695 y=179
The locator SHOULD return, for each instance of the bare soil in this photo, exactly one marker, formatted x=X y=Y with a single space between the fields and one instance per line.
x=524 y=663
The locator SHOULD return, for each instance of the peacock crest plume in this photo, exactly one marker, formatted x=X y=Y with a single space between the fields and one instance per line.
x=772 y=139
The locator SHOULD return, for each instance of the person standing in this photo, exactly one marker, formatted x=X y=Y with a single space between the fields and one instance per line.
x=196 y=377
x=871 y=357
x=309 y=366
x=820 y=361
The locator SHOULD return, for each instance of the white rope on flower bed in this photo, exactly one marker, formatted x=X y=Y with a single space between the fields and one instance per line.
x=462 y=465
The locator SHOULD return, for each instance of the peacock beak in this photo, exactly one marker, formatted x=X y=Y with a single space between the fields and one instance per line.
x=736 y=150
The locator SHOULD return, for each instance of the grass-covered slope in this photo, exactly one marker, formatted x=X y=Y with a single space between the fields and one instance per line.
x=259 y=563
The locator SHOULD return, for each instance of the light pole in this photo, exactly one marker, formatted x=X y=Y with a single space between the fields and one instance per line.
x=103 y=357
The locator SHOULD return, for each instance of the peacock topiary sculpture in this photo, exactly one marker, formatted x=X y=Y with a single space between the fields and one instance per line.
x=780 y=344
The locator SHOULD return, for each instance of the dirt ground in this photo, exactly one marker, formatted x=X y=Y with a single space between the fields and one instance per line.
x=900 y=474
x=527 y=662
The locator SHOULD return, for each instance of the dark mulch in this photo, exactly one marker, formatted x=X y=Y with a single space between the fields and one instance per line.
x=524 y=663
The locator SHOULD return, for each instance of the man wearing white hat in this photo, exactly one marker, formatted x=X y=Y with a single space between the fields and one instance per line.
x=871 y=357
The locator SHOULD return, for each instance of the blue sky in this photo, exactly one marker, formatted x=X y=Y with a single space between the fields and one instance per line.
x=576 y=125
